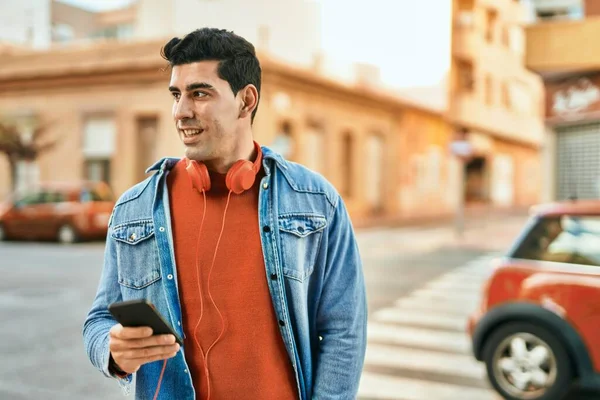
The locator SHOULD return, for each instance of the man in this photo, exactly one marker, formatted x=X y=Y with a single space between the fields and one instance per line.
x=251 y=258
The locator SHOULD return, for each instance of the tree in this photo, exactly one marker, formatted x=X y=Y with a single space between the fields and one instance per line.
x=19 y=146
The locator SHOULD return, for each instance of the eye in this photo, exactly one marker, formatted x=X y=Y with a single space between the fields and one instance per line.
x=200 y=94
x=176 y=95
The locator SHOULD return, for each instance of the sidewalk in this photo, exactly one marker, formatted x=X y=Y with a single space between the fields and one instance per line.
x=487 y=232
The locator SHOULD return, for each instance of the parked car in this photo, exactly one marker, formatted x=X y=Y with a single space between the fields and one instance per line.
x=66 y=212
x=537 y=328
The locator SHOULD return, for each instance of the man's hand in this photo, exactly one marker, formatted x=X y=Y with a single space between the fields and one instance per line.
x=133 y=347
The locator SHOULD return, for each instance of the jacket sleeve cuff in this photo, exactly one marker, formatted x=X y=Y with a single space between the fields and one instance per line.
x=123 y=380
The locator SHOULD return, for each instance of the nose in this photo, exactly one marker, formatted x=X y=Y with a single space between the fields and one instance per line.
x=183 y=109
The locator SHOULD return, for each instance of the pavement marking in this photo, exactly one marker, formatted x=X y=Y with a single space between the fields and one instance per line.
x=423 y=360
x=418 y=348
x=407 y=336
x=406 y=316
x=374 y=386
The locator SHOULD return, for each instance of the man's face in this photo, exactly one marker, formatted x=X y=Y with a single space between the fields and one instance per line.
x=205 y=110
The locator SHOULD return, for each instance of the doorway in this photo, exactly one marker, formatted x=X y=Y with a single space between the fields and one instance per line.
x=476 y=181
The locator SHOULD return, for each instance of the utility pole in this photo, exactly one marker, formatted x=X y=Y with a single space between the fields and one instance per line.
x=462 y=149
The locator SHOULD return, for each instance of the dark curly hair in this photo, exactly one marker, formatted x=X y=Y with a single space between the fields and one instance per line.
x=238 y=64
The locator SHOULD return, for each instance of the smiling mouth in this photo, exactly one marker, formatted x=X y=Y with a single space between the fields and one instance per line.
x=188 y=133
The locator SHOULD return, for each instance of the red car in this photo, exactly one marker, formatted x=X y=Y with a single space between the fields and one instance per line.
x=538 y=325
x=66 y=212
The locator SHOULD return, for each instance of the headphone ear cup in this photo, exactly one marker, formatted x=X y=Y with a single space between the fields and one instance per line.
x=240 y=177
x=198 y=174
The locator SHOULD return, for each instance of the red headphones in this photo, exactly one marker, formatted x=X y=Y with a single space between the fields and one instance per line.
x=239 y=178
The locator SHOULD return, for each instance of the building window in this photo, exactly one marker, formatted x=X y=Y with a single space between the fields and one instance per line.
x=521 y=98
x=314 y=151
x=564 y=12
x=97 y=170
x=490 y=24
x=348 y=169
x=147 y=136
x=62 y=33
x=516 y=41
x=489 y=90
x=119 y=32
x=464 y=15
x=284 y=142
x=374 y=166
x=98 y=147
x=466 y=82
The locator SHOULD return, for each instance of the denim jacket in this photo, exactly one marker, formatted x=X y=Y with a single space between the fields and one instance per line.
x=312 y=266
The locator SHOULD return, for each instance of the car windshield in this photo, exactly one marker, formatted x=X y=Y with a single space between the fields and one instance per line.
x=571 y=239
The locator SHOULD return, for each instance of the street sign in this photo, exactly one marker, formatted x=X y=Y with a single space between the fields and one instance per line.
x=461 y=148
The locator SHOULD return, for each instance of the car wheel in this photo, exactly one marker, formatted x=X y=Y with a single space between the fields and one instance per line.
x=527 y=362
x=67 y=235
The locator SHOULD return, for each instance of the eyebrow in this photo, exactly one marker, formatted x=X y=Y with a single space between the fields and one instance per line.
x=193 y=86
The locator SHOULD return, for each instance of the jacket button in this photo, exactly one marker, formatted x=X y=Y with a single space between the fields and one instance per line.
x=281 y=322
x=266 y=229
x=274 y=277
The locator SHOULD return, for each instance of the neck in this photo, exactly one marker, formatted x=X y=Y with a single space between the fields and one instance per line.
x=243 y=150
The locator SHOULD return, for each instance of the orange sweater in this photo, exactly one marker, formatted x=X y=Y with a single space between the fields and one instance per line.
x=249 y=361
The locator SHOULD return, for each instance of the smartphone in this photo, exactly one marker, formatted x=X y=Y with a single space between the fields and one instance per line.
x=141 y=312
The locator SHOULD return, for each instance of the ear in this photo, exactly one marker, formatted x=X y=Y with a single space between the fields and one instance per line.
x=248 y=100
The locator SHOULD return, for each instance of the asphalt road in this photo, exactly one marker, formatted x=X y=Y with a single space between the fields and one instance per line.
x=47 y=289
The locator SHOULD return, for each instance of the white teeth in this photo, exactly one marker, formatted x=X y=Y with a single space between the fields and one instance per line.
x=191 y=132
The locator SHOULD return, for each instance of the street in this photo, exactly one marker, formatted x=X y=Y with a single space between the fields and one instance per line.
x=419 y=293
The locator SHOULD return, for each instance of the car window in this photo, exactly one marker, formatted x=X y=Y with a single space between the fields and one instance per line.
x=31 y=199
x=98 y=193
x=567 y=239
x=54 y=197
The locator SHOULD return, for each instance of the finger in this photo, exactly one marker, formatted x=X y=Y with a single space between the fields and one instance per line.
x=156 y=340
x=121 y=332
x=147 y=352
x=155 y=358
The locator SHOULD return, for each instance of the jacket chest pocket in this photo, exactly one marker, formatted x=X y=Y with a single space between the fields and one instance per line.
x=300 y=236
x=137 y=254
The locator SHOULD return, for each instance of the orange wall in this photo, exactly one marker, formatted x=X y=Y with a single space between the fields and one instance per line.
x=592 y=8
x=563 y=45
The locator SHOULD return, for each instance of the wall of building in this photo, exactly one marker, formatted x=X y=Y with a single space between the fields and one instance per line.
x=79 y=22
x=428 y=174
x=26 y=22
x=592 y=8
x=563 y=45
x=289 y=29
x=519 y=166
x=388 y=158
x=375 y=148
x=491 y=90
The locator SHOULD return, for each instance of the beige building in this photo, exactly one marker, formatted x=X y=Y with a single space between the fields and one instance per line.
x=497 y=100
x=109 y=107
x=559 y=49
x=288 y=29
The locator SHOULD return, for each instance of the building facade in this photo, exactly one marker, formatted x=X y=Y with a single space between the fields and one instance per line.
x=107 y=104
x=109 y=108
x=496 y=103
x=559 y=50
x=288 y=29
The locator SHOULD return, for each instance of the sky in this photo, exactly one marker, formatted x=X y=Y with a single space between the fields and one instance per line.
x=408 y=39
